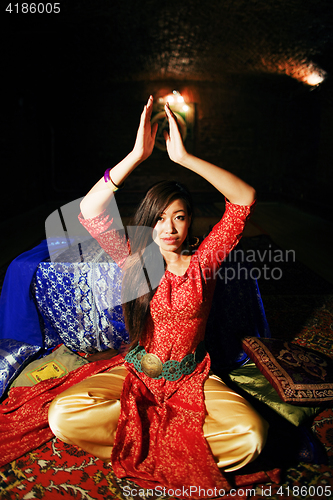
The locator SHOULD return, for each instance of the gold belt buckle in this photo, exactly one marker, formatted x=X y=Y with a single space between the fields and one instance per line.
x=151 y=365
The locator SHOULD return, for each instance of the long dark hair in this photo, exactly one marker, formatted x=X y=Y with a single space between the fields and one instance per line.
x=156 y=200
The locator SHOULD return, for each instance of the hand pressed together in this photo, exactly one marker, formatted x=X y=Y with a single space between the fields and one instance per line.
x=146 y=135
x=173 y=139
x=145 y=138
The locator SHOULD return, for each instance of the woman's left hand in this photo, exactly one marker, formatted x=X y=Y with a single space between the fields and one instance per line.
x=173 y=139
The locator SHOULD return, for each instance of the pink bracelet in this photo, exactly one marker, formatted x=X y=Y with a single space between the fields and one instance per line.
x=107 y=175
x=107 y=178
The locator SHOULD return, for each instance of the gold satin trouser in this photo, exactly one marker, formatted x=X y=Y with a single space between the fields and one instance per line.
x=87 y=415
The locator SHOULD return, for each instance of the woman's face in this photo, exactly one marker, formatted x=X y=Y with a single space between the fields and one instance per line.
x=172 y=226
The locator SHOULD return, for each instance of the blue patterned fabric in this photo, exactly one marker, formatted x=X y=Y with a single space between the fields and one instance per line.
x=79 y=302
x=46 y=303
x=18 y=315
x=14 y=355
x=19 y=319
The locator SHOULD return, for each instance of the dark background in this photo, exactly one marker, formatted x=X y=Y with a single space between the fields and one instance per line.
x=74 y=85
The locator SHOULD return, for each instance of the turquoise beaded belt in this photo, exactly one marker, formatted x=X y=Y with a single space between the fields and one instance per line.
x=172 y=370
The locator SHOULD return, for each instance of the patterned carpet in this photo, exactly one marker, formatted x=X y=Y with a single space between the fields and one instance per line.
x=58 y=470
x=299 y=307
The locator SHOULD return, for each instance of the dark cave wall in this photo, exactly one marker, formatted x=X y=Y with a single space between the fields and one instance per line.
x=75 y=84
x=322 y=172
x=273 y=132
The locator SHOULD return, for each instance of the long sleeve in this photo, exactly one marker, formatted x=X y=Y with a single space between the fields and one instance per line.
x=111 y=239
x=224 y=236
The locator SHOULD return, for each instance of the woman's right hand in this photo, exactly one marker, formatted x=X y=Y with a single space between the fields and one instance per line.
x=145 y=138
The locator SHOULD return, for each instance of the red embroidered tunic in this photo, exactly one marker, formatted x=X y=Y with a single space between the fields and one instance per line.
x=159 y=439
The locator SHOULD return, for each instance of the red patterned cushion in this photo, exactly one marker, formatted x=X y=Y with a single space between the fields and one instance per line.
x=300 y=375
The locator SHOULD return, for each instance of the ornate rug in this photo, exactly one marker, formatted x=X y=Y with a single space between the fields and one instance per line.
x=58 y=470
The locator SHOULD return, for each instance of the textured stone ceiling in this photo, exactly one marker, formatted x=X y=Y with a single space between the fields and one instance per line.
x=191 y=39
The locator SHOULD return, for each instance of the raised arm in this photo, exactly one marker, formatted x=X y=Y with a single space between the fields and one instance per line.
x=100 y=195
x=232 y=187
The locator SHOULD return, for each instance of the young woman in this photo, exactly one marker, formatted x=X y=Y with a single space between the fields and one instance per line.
x=159 y=414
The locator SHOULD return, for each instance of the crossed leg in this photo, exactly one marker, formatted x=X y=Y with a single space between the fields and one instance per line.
x=87 y=415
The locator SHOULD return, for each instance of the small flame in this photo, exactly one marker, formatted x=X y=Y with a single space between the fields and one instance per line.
x=173 y=98
x=314 y=78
